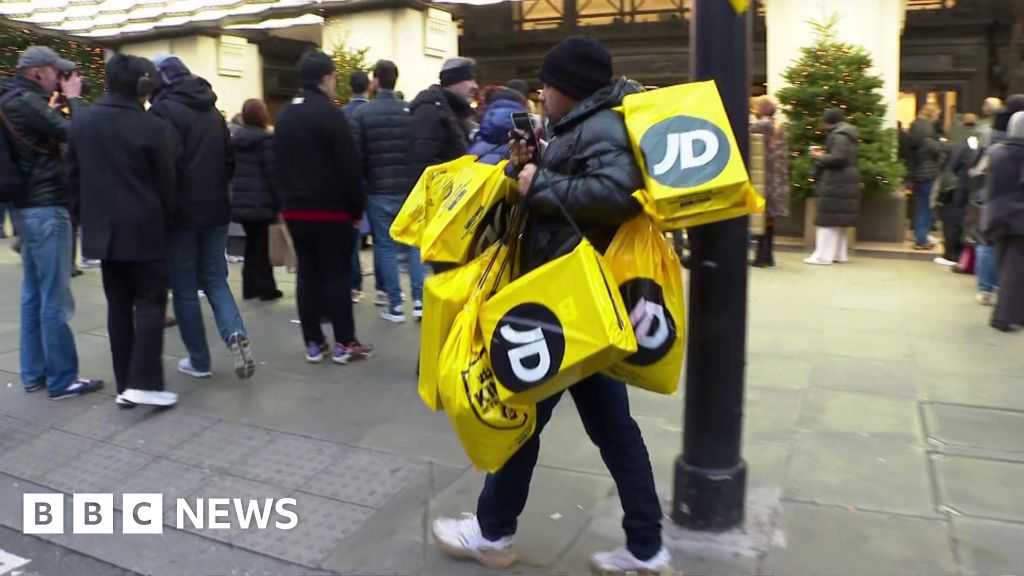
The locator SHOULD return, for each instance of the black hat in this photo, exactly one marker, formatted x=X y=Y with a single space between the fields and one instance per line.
x=313 y=66
x=455 y=70
x=577 y=67
x=834 y=116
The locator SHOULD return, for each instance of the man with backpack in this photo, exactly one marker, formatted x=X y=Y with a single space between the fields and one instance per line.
x=32 y=175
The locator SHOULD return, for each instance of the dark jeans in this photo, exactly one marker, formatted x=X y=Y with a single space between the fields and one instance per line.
x=923 y=215
x=604 y=409
x=357 y=266
x=257 y=273
x=136 y=305
x=324 y=254
x=952 y=231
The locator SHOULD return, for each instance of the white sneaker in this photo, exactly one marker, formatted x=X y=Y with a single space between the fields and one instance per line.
x=123 y=402
x=943 y=262
x=185 y=367
x=933 y=239
x=150 y=397
x=622 y=561
x=393 y=314
x=417 y=309
x=986 y=298
x=461 y=538
x=381 y=300
x=815 y=262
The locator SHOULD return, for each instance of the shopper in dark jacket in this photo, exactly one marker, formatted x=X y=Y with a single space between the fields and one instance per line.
x=440 y=114
x=121 y=164
x=589 y=167
x=47 y=350
x=318 y=171
x=200 y=234
x=359 y=85
x=925 y=157
x=381 y=131
x=1004 y=223
x=254 y=199
x=490 y=145
x=838 y=189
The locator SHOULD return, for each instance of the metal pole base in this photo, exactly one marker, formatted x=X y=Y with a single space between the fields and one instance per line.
x=709 y=499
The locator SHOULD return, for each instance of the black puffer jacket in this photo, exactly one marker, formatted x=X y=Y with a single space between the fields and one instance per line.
x=439 y=131
x=924 y=151
x=382 y=134
x=838 y=188
x=207 y=161
x=43 y=130
x=1004 y=207
x=254 y=196
x=590 y=168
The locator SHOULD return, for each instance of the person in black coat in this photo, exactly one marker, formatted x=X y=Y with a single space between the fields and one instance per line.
x=837 y=190
x=1003 y=222
x=199 y=236
x=121 y=165
x=254 y=199
x=318 y=171
x=589 y=169
x=440 y=114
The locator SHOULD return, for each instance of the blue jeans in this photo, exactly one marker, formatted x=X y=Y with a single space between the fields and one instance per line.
x=922 y=210
x=48 y=350
x=603 y=406
x=197 y=262
x=382 y=210
x=986 y=267
x=357 y=266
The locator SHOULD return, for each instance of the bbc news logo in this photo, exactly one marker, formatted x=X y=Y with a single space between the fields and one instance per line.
x=143 y=513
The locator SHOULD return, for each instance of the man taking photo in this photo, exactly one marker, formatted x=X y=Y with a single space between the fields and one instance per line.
x=49 y=358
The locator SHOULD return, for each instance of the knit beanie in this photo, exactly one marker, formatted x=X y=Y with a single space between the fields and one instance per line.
x=171 y=68
x=455 y=70
x=313 y=66
x=834 y=116
x=577 y=67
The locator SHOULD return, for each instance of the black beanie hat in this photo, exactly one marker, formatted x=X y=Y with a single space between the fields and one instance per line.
x=455 y=70
x=313 y=66
x=834 y=116
x=577 y=67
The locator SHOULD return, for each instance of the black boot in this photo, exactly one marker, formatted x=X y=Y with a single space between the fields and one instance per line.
x=761 y=259
x=770 y=245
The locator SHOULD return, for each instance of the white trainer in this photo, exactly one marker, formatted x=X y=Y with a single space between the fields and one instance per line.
x=986 y=298
x=185 y=367
x=461 y=538
x=815 y=262
x=622 y=561
x=150 y=397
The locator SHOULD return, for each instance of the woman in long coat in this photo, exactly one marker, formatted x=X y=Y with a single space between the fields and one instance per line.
x=838 y=189
x=776 y=188
x=1003 y=223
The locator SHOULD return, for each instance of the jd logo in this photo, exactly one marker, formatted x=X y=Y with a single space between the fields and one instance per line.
x=653 y=324
x=527 y=347
x=683 y=151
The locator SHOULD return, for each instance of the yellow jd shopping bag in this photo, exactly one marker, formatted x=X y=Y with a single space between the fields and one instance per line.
x=686 y=148
x=650 y=280
x=750 y=202
x=556 y=325
x=459 y=215
x=444 y=296
x=490 y=430
x=412 y=218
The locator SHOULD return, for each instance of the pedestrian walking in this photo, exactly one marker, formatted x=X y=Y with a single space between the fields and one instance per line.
x=1004 y=223
x=255 y=202
x=318 y=170
x=776 y=192
x=359 y=86
x=121 y=165
x=47 y=351
x=579 y=98
x=925 y=151
x=381 y=130
x=200 y=233
x=838 y=190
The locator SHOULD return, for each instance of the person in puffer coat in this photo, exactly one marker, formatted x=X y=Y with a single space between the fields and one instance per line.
x=491 y=143
x=590 y=169
x=838 y=189
x=254 y=199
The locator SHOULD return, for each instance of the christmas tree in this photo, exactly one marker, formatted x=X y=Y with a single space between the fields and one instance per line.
x=89 y=57
x=833 y=74
x=346 y=62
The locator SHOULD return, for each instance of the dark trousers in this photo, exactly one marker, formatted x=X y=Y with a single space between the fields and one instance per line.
x=324 y=254
x=136 y=304
x=604 y=409
x=952 y=231
x=257 y=273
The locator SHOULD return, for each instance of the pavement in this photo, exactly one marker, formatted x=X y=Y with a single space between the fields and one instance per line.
x=884 y=431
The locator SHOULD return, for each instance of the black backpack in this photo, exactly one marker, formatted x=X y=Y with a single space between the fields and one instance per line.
x=13 y=187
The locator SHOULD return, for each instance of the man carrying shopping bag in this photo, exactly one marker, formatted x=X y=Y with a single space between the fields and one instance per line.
x=590 y=170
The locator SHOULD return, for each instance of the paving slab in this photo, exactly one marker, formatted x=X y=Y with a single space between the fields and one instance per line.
x=171 y=479
x=860 y=473
x=771 y=414
x=980 y=428
x=987 y=547
x=884 y=417
x=103 y=420
x=40 y=455
x=768 y=371
x=983 y=488
x=288 y=460
x=99 y=470
x=888 y=376
x=972 y=389
x=221 y=446
x=15 y=433
x=825 y=541
x=161 y=431
x=365 y=477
